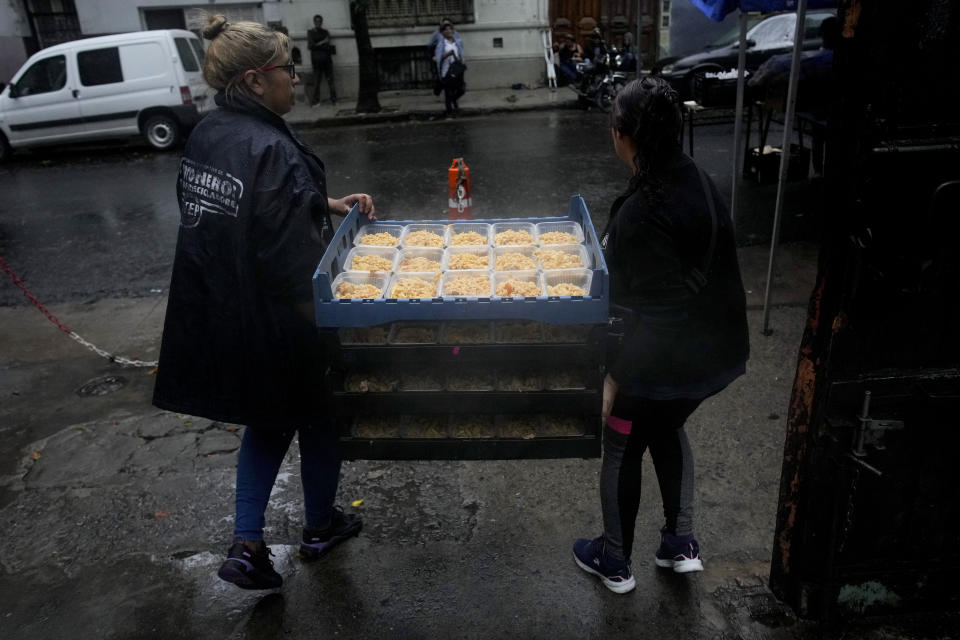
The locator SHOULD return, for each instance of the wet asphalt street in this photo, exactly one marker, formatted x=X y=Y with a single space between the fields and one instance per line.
x=116 y=515
x=88 y=222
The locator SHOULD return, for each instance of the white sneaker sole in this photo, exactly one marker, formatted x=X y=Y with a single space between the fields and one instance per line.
x=613 y=585
x=683 y=566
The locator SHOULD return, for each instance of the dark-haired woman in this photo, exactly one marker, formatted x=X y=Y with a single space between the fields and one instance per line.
x=239 y=344
x=674 y=276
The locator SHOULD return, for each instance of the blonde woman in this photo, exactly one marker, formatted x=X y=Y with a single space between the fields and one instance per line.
x=239 y=345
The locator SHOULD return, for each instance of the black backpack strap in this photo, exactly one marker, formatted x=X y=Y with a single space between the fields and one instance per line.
x=697 y=278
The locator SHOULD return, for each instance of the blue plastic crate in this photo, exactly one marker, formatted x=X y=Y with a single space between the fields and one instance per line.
x=333 y=312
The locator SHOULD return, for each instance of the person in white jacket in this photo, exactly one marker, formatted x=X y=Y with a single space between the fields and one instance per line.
x=448 y=54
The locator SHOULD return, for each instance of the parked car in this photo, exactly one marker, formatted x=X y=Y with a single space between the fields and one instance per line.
x=766 y=36
x=147 y=82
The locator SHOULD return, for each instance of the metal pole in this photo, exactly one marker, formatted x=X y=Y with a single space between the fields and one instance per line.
x=784 y=154
x=637 y=45
x=738 y=119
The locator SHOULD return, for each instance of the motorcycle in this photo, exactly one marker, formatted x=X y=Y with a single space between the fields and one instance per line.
x=597 y=81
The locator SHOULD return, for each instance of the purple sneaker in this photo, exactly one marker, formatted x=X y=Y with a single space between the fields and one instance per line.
x=591 y=557
x=250 y=569
x=318 y=542
x=680 y=553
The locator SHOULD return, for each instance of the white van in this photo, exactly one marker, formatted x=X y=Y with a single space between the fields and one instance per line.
x=146 y=82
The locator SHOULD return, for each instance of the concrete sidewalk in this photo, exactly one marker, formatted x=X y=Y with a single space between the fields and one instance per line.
x=117 y=515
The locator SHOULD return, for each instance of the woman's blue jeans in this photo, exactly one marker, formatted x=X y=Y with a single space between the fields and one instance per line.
x=261 y=454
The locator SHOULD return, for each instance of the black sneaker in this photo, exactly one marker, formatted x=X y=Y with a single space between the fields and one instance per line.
x=680 y=553
x=591 y=556
x=250 y=569
x=318 y=542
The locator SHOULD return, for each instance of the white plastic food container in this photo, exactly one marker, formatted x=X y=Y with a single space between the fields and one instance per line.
x=432 y=278
x=577 y=277
x=524 y=227
x=534 y=277
x=388 y=253
x=523 y=250
x=433 y=254
x=453 y=275
x=473 y=250
x=438 y=230
x=574 y=249
x=360 y=278
x=573 y=228
x=395 y=230
x=455 y=228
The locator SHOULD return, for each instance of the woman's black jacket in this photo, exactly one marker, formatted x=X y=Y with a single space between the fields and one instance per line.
x=253 y=227
x=679 y=343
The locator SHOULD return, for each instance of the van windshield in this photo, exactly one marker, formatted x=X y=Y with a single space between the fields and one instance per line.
x=186 y=55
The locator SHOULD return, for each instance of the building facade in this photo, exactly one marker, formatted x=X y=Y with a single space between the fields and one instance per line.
x=502 y=38
x=15 y=38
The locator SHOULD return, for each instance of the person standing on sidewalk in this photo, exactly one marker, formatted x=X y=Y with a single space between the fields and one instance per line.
x=239 y=343
x=435 y=38
x=321 y=58
x=450 y=68
x=675 y=278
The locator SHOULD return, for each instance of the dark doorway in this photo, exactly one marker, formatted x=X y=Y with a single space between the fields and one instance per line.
x=164 y=19
x=404 y=68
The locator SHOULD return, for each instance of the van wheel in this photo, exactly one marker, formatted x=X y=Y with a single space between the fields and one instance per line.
x=5 y=150
x=161 y=132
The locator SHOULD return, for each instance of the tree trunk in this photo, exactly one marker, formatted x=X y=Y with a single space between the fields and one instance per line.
x=367 y=101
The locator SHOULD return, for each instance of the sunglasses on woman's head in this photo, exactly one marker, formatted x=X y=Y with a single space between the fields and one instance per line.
x=290 y=67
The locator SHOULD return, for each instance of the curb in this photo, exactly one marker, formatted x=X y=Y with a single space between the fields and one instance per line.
x=424 y=115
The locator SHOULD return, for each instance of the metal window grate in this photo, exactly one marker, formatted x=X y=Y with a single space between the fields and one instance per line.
x=408 y=13
x=54 y=23
x=404 y=68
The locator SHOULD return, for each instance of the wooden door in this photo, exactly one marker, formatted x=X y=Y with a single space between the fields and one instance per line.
x=613 y=17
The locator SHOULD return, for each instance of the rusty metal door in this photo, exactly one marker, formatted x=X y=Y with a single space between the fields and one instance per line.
x=868 y=518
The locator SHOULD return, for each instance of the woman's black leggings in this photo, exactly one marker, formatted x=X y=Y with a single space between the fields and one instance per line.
x=452 y=91
x=635 y=425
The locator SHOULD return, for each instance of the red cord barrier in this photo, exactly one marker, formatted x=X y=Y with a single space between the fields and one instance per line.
x=52 y=318
x=39 y=305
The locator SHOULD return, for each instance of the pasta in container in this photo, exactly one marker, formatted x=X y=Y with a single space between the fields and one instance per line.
x=354 y=285
x=420 y=259
x=568 y=282
x=423 y=235
x=561 y=232
x=460 y=234
x=513 y=234
x=378 y=260
x=378 y=235
x=518 y=258
x=517 y=284
x=414 y=285
x=467 y=284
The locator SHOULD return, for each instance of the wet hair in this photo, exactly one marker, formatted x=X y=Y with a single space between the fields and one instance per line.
x=830 y=32
x=648 y=112
x=236 y=47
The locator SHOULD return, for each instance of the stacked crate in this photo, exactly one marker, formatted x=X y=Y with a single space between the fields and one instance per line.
x=467 y=373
